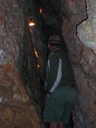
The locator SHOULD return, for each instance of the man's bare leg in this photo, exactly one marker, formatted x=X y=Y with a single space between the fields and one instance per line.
x=62 y=125
x=54 y=125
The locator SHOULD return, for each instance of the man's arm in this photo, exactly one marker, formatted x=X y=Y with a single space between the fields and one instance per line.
x=55 y=72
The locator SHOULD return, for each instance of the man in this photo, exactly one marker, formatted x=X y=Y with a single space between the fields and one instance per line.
x=59 y=85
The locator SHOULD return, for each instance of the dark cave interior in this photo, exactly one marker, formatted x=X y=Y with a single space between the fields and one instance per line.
x=47 y=22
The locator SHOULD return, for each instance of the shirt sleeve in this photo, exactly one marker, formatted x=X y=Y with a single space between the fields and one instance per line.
x=58 y=77
x=55 y=72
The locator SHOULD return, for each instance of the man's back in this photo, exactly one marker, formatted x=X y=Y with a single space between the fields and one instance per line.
x=60 y=66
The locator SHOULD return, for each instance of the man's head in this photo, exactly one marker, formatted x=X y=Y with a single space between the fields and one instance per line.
x=53 y=41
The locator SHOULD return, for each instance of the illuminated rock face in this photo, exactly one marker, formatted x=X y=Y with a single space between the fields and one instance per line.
x=75 y=29
x=86 y=32
x=15 y=107
x=87 y=29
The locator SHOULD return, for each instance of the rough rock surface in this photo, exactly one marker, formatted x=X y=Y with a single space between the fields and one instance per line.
x=87 y=29
x=16 y=111
x=83 y=58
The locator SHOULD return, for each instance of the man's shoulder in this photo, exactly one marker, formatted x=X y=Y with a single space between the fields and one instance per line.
x=57 y=53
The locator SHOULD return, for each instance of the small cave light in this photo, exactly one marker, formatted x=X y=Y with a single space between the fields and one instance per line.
x=41 y=10
x=31 y=22
x=36 y=53
x=38 y=66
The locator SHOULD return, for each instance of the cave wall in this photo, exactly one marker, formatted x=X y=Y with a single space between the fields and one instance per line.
x=18 y=77
x=16 y=108
x=83 y=57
